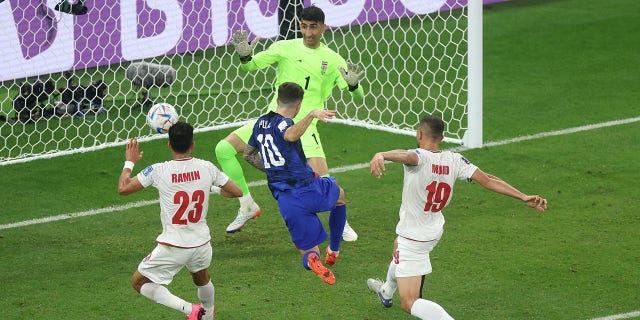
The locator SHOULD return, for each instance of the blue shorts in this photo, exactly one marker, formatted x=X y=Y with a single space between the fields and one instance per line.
x=300 y=207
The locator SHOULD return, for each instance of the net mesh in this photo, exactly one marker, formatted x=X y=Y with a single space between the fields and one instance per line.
x=65 y=86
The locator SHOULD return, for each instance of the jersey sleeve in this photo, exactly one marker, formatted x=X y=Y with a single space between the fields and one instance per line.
x=465 y=167
x=146 y=176
x=283 y=125
x=265 y=58
x=422 y=159
x=219 y=177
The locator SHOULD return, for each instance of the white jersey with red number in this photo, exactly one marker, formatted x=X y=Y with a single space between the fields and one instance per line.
x=427 y=189
x=183 y=186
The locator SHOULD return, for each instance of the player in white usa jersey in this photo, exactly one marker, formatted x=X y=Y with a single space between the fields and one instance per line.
x=429 y=176
x=183 y=185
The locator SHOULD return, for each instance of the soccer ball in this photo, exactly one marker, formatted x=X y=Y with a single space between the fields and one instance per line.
x=161 y=117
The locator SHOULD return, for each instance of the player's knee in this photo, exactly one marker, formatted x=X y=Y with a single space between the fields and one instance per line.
x=407 y=304
x=138 y=280
x=201 y=277
x=341 y=199
x=136 y=287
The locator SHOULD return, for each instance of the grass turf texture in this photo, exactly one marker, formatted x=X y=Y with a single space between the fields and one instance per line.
x=544 y=70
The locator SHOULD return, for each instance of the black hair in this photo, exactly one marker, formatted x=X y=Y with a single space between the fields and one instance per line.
x=312 y=13
x=290 y=92
x=181 y=137
x=432 y=126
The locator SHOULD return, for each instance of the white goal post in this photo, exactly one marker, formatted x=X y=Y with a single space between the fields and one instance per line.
x=64 y=87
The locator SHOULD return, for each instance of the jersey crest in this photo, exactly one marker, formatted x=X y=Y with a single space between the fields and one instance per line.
x=146 y=171
x=282 y=126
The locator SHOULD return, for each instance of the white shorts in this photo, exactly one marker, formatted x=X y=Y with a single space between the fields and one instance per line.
x=412 y=257
x=164 y=262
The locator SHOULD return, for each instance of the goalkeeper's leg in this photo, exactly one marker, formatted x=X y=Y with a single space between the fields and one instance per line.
x=226 y=155
x=226 y=151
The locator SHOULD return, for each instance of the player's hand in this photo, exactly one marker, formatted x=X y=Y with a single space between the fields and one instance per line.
x=353 y=74
x=323 y=115
x=132 y=153
x=537 y=202
x=240 y=41
x=377 y=165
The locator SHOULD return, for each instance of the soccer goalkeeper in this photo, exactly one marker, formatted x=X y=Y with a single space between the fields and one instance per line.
x=317 y=69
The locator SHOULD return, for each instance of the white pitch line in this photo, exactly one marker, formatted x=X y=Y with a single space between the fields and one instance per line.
x=338 y=169
x=620 y=316
x=78 y=214
x=562 y=132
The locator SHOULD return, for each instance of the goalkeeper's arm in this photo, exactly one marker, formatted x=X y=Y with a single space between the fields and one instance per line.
x=244 y=49
x=352 y=76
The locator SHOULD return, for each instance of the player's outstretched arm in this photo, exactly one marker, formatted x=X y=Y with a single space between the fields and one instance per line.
x=126 y=184
x=244 y=49
x=231 y=190
x=498 y=185
x=295 y=132
x=400 y=156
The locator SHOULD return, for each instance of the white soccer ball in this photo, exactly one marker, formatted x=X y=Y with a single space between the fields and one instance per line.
x=161 y=117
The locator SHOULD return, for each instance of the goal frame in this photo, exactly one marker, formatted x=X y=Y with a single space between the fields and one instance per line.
x=469 y=134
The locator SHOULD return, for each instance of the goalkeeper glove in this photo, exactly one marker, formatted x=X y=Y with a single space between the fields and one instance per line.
x=240 y=41
x=352 y=75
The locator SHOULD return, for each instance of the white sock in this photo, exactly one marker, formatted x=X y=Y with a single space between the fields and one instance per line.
x=161 y=295
x=206 y=295
x=425 y=309
x=246 y=200
x=390 y=285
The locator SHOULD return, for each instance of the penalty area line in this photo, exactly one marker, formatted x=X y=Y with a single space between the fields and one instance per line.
x=335 y=170
x=78 y=214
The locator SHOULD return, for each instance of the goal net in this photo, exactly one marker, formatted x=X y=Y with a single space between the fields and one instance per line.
x=64 y=85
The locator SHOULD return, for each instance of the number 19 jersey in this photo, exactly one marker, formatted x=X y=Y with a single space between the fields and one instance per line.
x=427 y=189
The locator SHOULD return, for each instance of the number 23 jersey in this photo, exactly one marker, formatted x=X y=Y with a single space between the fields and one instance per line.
x=427 y=189
x=183 y=186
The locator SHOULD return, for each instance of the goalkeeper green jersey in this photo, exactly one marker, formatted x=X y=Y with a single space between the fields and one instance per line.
x=315 y=70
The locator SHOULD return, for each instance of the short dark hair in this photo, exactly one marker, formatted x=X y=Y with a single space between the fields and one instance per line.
x=290 y=92
x=312 y=13
x=432 y=126
x=181 y=137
